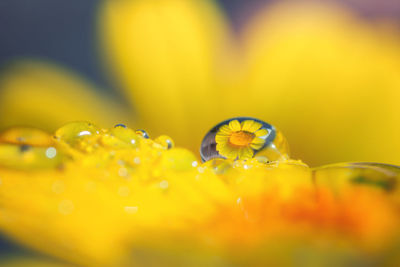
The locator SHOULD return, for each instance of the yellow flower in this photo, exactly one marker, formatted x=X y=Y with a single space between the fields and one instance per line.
x=111 y=197
x=239 y=140
x=299 y=66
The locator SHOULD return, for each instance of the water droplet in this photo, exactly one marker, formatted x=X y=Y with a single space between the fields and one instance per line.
x=27 y=148
x=123 y=137
x=26 y=136
x=165 y=141
x=244 y=138
x=120 y=125
x=74 y=132
x=142 y=133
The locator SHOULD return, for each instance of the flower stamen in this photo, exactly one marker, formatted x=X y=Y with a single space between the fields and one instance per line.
x=241 y=138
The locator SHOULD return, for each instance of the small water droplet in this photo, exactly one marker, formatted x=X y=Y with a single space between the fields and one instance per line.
x=120 y=125
x=73 y=132
x=165 y=141
x=26 y=136
x=124 y=137
x=142 y=133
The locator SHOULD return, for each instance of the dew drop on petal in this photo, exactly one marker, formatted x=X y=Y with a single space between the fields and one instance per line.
x=125 y=137
x=26 y=136
x=142 y=133
x=244 y=138
x=73 y=132
x=120 y=125
x=165 y=141
x=28 y=148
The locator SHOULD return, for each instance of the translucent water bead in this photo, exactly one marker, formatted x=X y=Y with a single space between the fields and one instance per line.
x=28 y=148
x=244 y=138
x=165 y=141
x=78 y=135
x=120 y=137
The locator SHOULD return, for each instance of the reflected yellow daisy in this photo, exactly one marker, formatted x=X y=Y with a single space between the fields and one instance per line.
x=239 y=140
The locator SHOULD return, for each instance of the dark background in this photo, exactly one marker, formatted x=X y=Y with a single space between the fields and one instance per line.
x=65 y=31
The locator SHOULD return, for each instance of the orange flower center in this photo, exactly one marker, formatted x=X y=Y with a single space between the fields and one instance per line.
x=241 y=138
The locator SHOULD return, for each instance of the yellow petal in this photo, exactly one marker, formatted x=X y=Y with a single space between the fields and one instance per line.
x=235 y=125
x=221 y=138
x=258 y=140
x=168 y=56
x=45 y=95
x=224 y=149
x=257 y=143
x=261 y=132
x=233 y=153
x=322 y=70
x=250 y=126
x=245 y=153
x=256 y=146
x=225 y=129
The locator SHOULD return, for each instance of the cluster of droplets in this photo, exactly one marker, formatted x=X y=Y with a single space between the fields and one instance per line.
x=123 y=148
x=120 y=176
x=31 y=148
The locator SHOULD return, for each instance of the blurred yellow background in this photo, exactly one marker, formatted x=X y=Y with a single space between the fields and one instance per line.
x=327 y=75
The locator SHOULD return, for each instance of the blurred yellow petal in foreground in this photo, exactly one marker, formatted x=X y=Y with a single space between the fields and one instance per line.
x=330 y=80
x=45 y=95
x=109 y=197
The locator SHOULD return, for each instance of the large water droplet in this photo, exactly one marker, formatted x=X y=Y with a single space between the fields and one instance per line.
x=244 y=138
